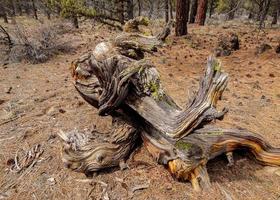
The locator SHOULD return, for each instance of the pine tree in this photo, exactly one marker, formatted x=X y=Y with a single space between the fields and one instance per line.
x=181 y=17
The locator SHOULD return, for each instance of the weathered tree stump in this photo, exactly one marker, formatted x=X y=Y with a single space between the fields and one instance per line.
x=130 y=90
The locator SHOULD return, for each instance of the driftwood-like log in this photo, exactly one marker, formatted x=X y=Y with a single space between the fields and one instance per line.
x=130 y=90
x=94 y=151
x=195 y=150
x=132 y=25
x=133 y=44
x=148 y=98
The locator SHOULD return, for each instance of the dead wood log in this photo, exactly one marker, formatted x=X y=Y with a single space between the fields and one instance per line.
x=86 y=152
x=186 y=158
x=134 y=44
x=132 y=25
x=131 y=92
x=147 y=96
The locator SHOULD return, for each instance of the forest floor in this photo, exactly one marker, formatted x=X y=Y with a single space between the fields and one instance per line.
x=37 y=101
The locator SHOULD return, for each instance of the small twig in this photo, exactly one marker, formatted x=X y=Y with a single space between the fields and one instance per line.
x=226 y=193
x=140 y=187
x=12 y=119
x=10 y=43
x=273 y=64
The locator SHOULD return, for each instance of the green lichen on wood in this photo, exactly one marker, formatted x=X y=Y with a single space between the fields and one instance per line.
x=181 y=145
x=217 y=66
x=218 y=132
x=138 y=67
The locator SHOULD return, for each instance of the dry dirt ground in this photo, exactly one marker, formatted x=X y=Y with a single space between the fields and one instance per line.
x=38 y=101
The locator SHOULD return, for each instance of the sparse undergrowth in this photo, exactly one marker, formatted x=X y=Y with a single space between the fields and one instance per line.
x=34 y=45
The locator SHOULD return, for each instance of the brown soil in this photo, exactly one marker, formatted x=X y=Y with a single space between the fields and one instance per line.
x=42 y=101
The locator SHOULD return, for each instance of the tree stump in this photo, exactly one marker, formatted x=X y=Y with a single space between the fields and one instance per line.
x=227 y=44
x=130 y=91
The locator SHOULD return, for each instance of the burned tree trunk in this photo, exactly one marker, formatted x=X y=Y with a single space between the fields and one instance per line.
x=201 y=12
x=131 y=92
x=181 y=17
x=129 y=9
x=193 y=11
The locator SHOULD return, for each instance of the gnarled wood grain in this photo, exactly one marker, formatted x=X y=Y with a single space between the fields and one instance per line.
x=118 y=82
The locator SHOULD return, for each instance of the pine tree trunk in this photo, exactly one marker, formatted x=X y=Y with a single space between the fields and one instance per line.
x=139 y=8
x=201 y=12
x=193 y=11
x=265 y=8
x=181 y=17
x=250 y=16
x=120 y=10
x=3 y=13
x=231 y=10
x=188 y=10
x=260 y=11
x=26 y=7
x=151 y=11
x=130 y=13
x=275 y=12
x=171 y=9
x=166 y=10
x=278 y=11
x=34 y=10
x=11 y=8
x=274 y=20
x=19 y=7
x=211 y=9
x=5 y=17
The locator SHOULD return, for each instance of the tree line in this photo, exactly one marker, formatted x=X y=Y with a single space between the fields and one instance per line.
x=115 y=12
